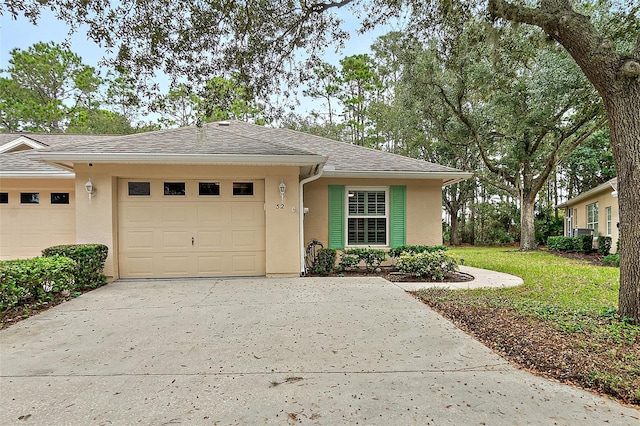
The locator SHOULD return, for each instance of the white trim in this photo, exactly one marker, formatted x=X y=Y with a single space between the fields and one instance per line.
x=48 y=175
x=387 y=214
x=605 y=186
x=303 y=251
x=448 y=178
x=21 y=140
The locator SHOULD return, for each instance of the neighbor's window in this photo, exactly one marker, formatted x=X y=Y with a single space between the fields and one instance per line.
x=367 y=217
x=607 y=212
x=242 y=188
x=139 y=188
x=175 y=188
x=592 y=217
x=59 y=198
x=569 y=219
x=30 y=198
x=4 y=198
x=208 y=188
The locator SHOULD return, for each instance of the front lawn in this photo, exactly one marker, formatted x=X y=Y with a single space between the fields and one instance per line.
x=562 y=323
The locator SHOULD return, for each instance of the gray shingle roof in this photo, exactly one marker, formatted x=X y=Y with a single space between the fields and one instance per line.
x=234 y=138
x=25 y=163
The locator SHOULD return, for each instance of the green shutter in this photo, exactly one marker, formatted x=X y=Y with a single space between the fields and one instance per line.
x=336 y=216
x=398 y=218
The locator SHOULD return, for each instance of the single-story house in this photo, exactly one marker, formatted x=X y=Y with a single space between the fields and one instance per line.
x=224 y=199
x=594 y=211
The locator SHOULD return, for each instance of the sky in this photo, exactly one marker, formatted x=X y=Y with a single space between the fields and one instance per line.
x=22 y=34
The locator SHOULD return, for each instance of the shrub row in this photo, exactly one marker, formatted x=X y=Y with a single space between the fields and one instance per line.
x=434 y=265
x=398 y=251
x=581 y=244
x=69 y=267
x=38 y=278
x=612 y=260
x=89 y=259
x=371 y=258
x=604 y=245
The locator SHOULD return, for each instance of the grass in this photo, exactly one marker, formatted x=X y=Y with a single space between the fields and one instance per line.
x=564 y=307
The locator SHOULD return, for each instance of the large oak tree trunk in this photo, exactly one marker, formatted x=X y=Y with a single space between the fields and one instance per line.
x=624 y=122
x=527 y=225
x=455 y=234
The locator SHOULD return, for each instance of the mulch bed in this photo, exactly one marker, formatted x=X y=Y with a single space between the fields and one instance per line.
x=391 y=274
x=593 y=258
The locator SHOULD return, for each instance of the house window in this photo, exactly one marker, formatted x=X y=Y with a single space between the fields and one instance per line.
x=607 y=212
x=367 y=217
x=137 y=189
x=208 y=188
x=30 y=198
x=175 y=188
x=592 y=217
x=242 y=188
x=569 y=222
x=4 y=198
x=59 y=198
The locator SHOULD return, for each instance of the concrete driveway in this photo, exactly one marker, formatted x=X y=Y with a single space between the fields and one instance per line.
x=255 y=351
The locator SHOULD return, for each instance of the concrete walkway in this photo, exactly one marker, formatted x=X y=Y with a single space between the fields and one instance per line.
x=327 y=351
x=482 y=278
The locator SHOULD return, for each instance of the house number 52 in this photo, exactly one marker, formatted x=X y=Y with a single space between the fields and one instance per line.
x=279 y=206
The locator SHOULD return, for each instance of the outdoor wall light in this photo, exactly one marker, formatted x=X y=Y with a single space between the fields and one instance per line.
x=283 y=189
x=89 y=187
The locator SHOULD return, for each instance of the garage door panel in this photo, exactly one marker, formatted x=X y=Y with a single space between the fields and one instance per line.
x=228 y=233
x=246 y=239
x=246 y=263
x=175 y=239
x=247 y=214
x=213 y=213
x=139 y=214
x=210 y=265
x=211 y=240
x=138 y=267
x=175 y=265
x=175 y=215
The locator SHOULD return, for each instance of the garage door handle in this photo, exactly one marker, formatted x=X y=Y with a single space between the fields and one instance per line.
x=193 y=240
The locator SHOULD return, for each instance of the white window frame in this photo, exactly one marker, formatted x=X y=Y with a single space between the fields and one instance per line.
x=569 y=218
x=591 y=223
x=384 y=189
x=607 y=215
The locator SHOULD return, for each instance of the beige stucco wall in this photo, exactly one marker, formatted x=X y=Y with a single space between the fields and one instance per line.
x=96 y=220
x=424 y=207
x=27 y=229
x=604 y=200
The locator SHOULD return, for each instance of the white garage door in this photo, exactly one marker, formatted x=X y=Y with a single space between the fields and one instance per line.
x=191 y=228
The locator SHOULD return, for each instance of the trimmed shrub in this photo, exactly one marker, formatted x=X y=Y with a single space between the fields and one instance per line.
x=352 y=257
x=582 y=243
x=397 y=251
x=604 y=245
x=434 y=265
x=38 y=277
x=325 y=261
x=89 y=259
x=612 y=260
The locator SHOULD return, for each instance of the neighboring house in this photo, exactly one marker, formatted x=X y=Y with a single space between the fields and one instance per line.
x=225 y=199
x=594 y=211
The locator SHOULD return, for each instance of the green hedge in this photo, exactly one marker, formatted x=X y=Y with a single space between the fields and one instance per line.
x=582 y=243
x=38 y=277
x=604 y=245
x=612 y=260
x=352 y=257
x=434 y=265
x=89 y=259
x=397 y=251
x=325 y=261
